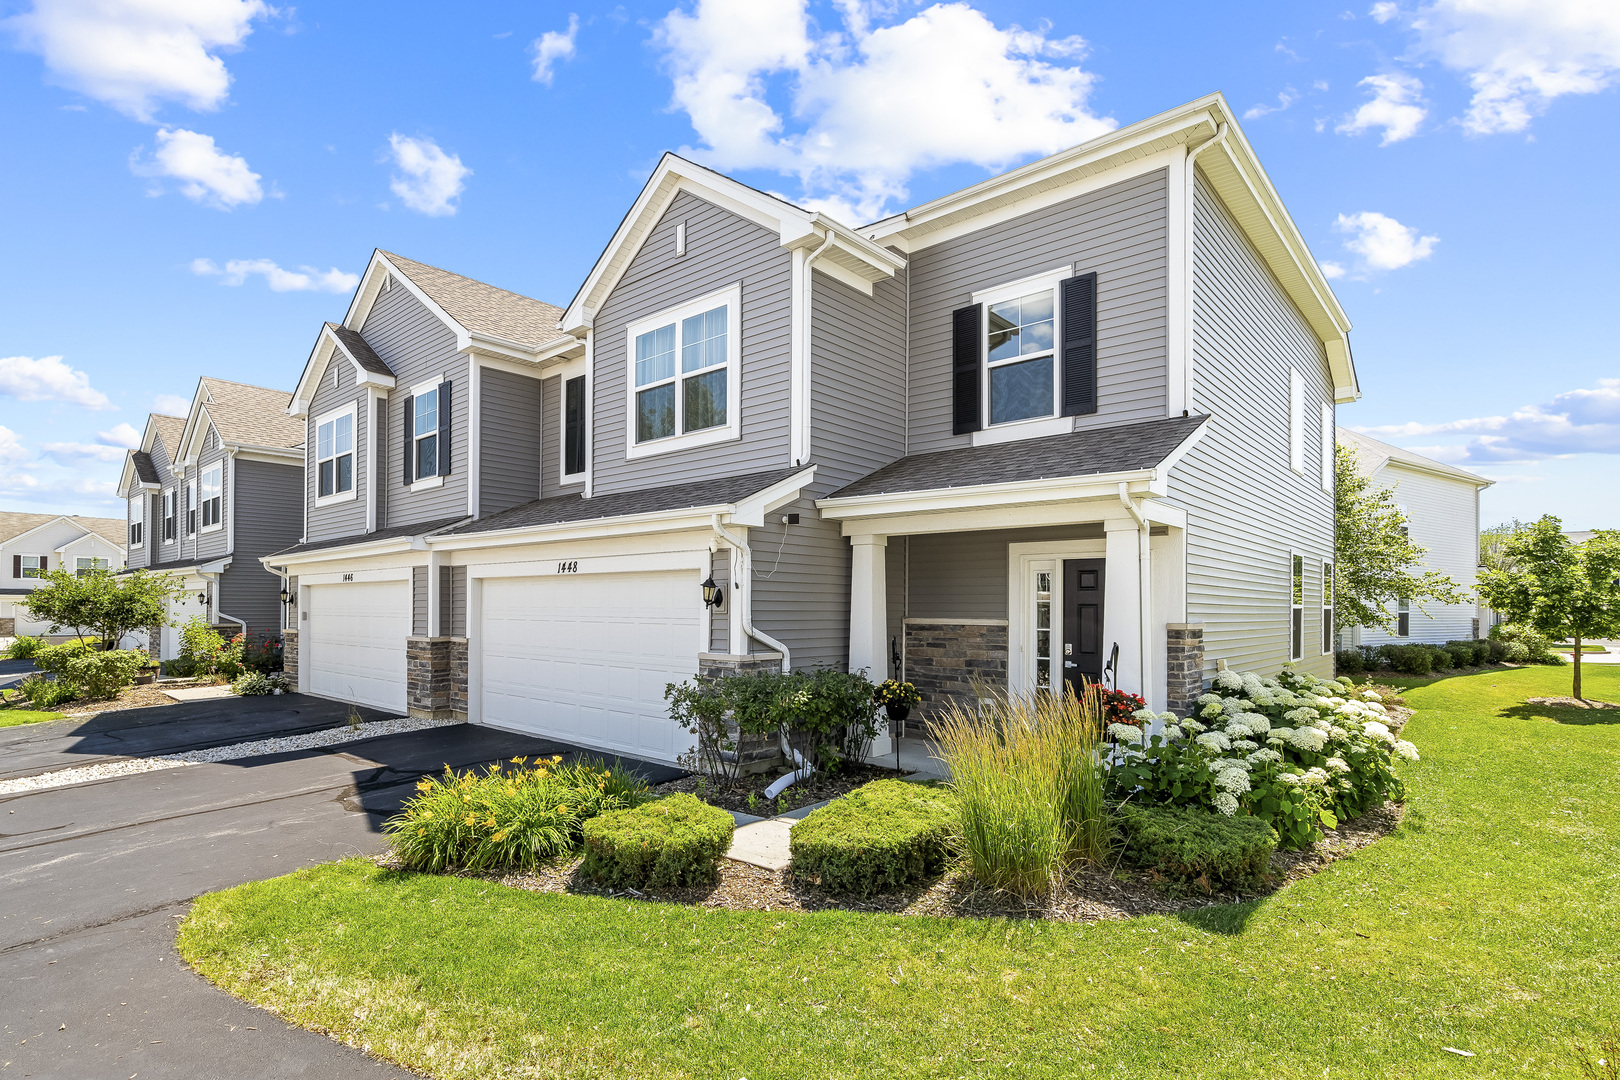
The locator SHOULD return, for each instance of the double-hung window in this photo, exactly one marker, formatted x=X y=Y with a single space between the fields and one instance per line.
x=1020 y=365
x=1024 y=357
x=684 y=372
x=1327 y=607
x=210 y=491
x=84 y=566
x=191 y=508
x=334 y=455
x=1403 y=619
x=137 y=520
x=573 y=426
x=168 y=514
x=31 y=566
x=1296 y=649
x=425 y=433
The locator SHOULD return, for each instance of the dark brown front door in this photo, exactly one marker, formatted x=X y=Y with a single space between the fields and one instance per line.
x=1082 y=622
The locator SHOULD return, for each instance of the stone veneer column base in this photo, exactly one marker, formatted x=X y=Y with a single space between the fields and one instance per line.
x=945 y=659
x=1184 y=667
x=289 y=657
x=436 y=678
x=755 y=753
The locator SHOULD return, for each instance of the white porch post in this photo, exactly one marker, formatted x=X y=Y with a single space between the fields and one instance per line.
x=1122 y=603
x=869 y=617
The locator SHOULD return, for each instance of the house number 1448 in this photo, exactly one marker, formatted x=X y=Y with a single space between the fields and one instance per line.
x=571 y=567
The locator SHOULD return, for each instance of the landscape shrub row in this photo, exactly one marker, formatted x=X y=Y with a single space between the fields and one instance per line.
x=881 y=837
x=1506 y=644
x=673 y=842
x=79 y=670
x=828 y=716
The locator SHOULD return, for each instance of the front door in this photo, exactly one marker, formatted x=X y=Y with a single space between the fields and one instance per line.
x=1082 y=622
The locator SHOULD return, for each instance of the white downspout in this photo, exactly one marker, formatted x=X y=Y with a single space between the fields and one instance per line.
x=1145 y=591
x=744 y=572
x=800 y=450
x=219 y=614
x=1191 y=247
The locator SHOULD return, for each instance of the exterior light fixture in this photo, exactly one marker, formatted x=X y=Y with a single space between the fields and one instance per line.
x=713 y=595
x=285 y=596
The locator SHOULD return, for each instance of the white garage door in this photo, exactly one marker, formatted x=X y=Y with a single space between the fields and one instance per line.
x=586 y=658
x=354 y=642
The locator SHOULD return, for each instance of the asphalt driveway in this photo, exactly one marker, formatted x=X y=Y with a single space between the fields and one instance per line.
x=94 y=877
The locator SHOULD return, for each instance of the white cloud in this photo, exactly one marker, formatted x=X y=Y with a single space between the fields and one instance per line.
x=866 y=106
x=78 y=453
x=552 y=46
x=49 y=379
x=123 y=435
x=1284 y=99
x=432 y=180
x=1521 y=55
x=1380 y=242
x=304 y=279
x=1383 y=11
x=12 y=451
x=1396 y=106
x=1332 y=269
x=1584 y=421
x=133 y=54
x=171 y=404
x=207 y=174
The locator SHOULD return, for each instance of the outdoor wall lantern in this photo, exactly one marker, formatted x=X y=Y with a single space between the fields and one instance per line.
x=713 y=596
x=285 y=596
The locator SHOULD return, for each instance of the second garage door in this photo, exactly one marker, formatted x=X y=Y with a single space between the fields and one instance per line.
x=586 y=658
x=354 y=642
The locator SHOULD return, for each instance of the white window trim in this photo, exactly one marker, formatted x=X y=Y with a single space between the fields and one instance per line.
x=202 y=476
x=1036 y=426
x=169 y=506
x=38 y=573
x=1328 y=633
x=424 y=483
x=1022 y=561
x=574 y=369
x=137 y=517
x=1328 y=422
x=354 y=449
x=1293 y=607
x=193 y=508
x=731 y=430
x=1296 y=421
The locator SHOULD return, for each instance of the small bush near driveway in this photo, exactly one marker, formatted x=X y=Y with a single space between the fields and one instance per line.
x=1194 y=846
x=879 y=838
x=676 y=842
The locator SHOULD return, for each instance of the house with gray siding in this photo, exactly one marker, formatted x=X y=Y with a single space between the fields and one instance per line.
x=207 y=494
x=1073 y=422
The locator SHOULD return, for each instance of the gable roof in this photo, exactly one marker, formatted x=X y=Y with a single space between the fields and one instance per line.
x=359 y=350
x=168 y=428
x=15 y=523
x=1372 y=455
x=480 y=308
x=242 y=415
x=145 y=469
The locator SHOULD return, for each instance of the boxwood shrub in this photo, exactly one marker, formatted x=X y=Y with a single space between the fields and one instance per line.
x=675 y=842
x=880 y=837
x=1195 y=846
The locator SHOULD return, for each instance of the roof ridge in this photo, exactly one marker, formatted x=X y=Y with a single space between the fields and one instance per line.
x=476 y=281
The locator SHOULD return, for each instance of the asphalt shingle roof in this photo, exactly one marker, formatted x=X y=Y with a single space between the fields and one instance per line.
x=252 y=415
x=420 y=528
x=1368 y=446
x=356 y=345
x=15 y=523
x=1090 y=452
x=484 y=308
x=565 y=508
x=169 y=429
x=145 y=470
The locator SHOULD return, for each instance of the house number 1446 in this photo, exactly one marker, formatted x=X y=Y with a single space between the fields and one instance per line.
x=571 y=567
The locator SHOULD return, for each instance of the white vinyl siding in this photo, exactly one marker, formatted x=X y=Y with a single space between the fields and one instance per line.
x=1296 y=421
x=1442 y=517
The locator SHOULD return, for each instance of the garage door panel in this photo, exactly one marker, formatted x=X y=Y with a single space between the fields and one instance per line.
x=354 y=644
x=587 y=658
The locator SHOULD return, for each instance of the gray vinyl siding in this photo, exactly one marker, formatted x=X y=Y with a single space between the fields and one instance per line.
x=1120 y=232
x=162 y=461
x=215 y=543
x=801 y=585
x=1443 y=517
x=267 y=521
x=345 y=517
x=722 y=250
x=964 y=575
x=720 y=621
x=418 y=347
x=419 y=601
x=249 y=592
x=133 y=556
x=551 y=441
x=509 y=437
x=1247 y=511
x=452 y=601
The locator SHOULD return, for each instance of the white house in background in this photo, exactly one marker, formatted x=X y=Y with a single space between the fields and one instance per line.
x=31 y=545
x=1442 y=509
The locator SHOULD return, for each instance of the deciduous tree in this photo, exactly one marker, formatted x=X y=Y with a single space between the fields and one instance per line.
x=103 y=604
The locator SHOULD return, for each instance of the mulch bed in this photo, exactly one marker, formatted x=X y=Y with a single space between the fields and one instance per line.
x=130 y=697
x=1571 y=703
x=817 y=787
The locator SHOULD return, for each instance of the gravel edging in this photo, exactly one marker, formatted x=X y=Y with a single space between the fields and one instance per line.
x=81 y=774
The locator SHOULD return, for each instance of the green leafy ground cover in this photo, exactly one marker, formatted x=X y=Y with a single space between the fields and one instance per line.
x=1485 y=923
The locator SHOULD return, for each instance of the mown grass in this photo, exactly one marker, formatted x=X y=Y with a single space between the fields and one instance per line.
x=11 y=716
x=1486 y=922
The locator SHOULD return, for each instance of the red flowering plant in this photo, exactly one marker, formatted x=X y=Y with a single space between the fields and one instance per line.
x=1120 y=707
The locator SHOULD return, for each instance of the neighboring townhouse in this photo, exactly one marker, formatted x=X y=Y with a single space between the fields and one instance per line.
x=1074 y=421
x=32 y=545
x=208 y=494
x=1441 y=503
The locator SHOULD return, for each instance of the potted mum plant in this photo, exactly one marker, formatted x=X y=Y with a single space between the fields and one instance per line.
x=898 y=699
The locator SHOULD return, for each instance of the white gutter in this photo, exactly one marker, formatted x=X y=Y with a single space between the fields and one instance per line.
x=800 y=450
x=1144 y=591
x=744 y=572
x=1192 y=246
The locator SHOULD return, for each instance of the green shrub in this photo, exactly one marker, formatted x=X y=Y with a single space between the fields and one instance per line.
x=254 y=684
x=674 y=842
x=1195 y=846
x=1440 y=659
x=880 y=837
x=45 y=693
x=1469 y=653
x=1349 y=662
x=1496 y=651
x=508 y=818
x=1515 y=652
x=1537 y=649
x=24 y=647
x=181 y=667
x=1409 y=659
x=1462 y=656
x=102 y=674
x=54 y=658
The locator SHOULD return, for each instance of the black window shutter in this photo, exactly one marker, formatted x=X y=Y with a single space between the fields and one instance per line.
x=967 y=360
x=43 y=560
x=444 y=428
x=16 y=566
x=1080 y=345
x=409 y=424
x=574 y=425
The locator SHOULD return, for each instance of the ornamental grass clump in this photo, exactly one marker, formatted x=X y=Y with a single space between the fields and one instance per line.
x=1028 y=776
x=513 y=817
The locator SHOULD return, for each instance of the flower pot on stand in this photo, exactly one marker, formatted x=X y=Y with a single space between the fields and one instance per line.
x=897 y=719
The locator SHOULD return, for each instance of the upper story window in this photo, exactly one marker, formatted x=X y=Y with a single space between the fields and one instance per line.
x=1019 y=358
x=191 y=508
x=684 y=371
x=168 y=515
x=1296 y=421
x=210 y=487
x=334 y=455
x=574 y=426
x=137 y=520
x=85 y=566
x=30 y=566
x=425 y=433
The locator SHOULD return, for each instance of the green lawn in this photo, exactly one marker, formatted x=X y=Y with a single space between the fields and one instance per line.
x=1487 y=922
x=11 y=716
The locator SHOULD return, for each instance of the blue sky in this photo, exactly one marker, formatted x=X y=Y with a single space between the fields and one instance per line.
x=191 y=185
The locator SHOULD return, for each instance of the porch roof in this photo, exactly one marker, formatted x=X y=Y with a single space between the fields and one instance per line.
x=1092 y=452
x=397 y=532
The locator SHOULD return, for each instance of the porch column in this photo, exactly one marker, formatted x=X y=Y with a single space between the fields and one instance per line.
x=868 y=606
x=1122 y=604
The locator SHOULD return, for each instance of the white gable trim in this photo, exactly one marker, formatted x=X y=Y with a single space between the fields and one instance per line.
x=46 y=525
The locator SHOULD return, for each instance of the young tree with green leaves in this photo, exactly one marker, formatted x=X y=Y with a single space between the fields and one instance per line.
x=100 y=603
x=1564 y=590
x=1376 y=562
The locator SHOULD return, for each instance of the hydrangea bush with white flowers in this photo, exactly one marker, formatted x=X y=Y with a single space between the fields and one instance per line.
x=1301 y=752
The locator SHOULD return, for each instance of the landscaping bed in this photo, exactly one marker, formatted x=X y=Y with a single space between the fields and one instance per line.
x=817 y=787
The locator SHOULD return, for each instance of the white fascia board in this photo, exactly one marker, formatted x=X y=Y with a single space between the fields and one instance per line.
x=314 y=368
x=662 y=521
x=391 y=546
x=126 y=476
x=274 y=455
x=1440 y=471
x=191 y=433
x=752 y=510
x=489 y=348
x=362 y=375
x=371 y=285
x=986 y=496
x=1161 y=481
